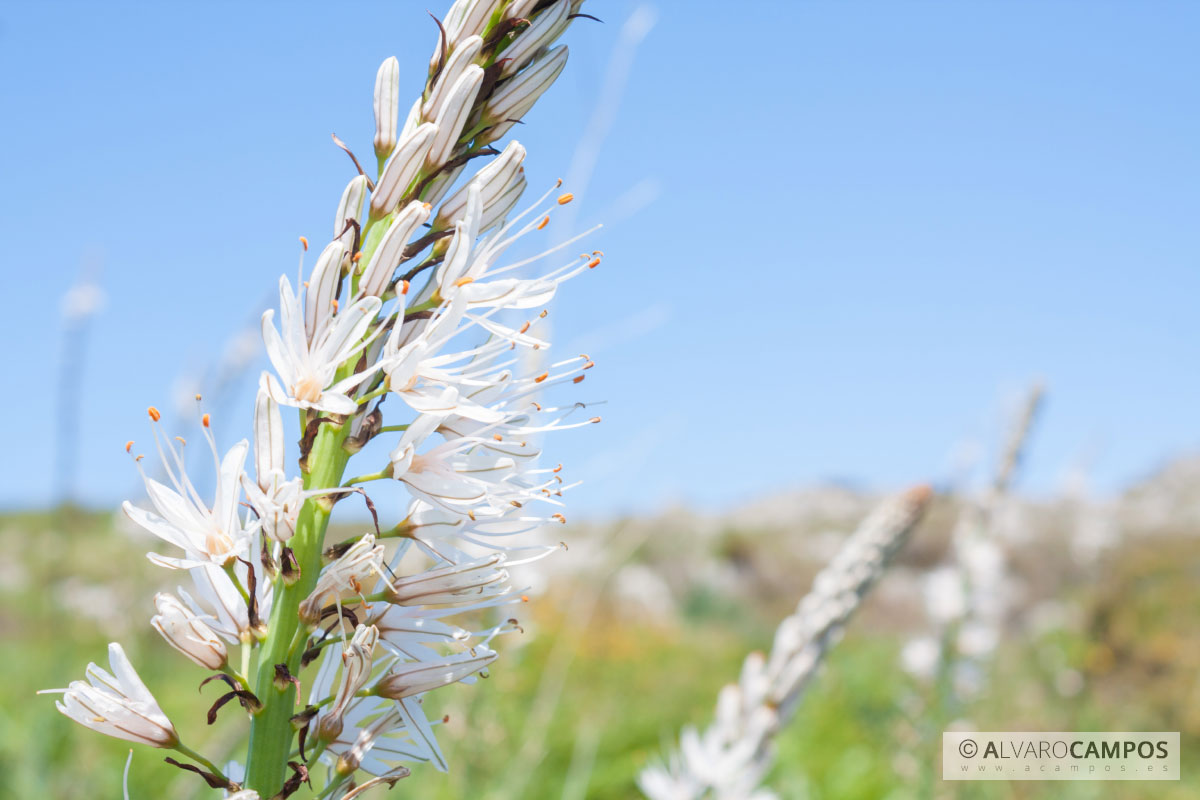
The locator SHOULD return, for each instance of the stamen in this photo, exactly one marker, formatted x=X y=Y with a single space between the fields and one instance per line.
x=464 y=281
x=154 y=413
x=559 y=517
x=545 y=221
x=595 y=262
x=594 y=420
x=563 y=199
x=541 y=377
x=129 y=445
x=204 y=420
x=578 y=379
x=304 y=243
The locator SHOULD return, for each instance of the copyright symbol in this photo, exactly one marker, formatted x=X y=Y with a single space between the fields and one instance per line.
x=967 y=748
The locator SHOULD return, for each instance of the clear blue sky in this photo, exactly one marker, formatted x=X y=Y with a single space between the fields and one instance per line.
x=840 y=235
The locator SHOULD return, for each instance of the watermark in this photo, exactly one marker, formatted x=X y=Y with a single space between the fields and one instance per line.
x=1059 y=756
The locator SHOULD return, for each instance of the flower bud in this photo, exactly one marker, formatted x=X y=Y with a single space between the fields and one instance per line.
x=402 y=168
x=453 y=114
x=268 y=440
x=516 y=96
x=187 y=633
x=495 y=213
x=378 y=273
x=387 y=106
x=322 y=289
x=495 y=180
x=350 y=208
x=464 y=55
x=416 y=677
x=543 y=30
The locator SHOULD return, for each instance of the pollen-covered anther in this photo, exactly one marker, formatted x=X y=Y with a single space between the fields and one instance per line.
x=578 y=379
x=525 y=327
x=545 y=312
x=445 y=719
x=541 y=377
x=181 y=440
x=463 y=281
x=497 y=437
x=524 y=598
x=403 y=287
x=557 y=469
x=357 y=257
x=516 y=503
x=589 y=364
x=560 y=518
x=198 y=397
x=595 y=262
x=129 y=445
x=335 y=305
x=204 y=420
x=154 y=413
x=138 y=458
x=563 y=199
x=545 y=221
x=304 y=243
x=594 y=420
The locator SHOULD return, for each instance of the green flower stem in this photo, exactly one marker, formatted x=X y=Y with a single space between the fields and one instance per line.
x=271 y=730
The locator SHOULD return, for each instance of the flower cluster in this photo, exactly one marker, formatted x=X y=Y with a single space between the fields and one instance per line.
x=728 y=759
x=413 y=305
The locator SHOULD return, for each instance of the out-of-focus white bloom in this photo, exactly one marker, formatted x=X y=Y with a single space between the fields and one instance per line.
x=82 y=300
x=519 y=94
x=206 y=534
x=403 y=166
x=117 y=704
x=944 y=598
x=919 y=657
x=547 y=26
x=307 y=367
x=452 y=115
x=378 y=272
x=187 y=633
x=727 y=760
x=387 y=106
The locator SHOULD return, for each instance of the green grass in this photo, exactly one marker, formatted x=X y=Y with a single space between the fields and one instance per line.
x=864 y=730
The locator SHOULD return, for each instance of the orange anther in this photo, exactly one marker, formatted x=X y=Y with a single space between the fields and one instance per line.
x=595 y=262
x=563 y=199
x=304 y=243
x=545 y=221
x=129 y=445
x=524 y=598
x=204 y=420
x=357 y=257
x=542 y=315
x=578 y=379
x=139 y=458
x=181 y=440
x=598 y=253
x=154 y=414
x=335 y=305
x=560 y=518
x=557 y=469
x=541 y=377
x=403 y=287
x=589 y=365
x=445 y=719
x=198 y=397
x=538 y=406
x=594 y=419
x=464 y=281
x=524 y=327
x=556 y=183
x=497 y=437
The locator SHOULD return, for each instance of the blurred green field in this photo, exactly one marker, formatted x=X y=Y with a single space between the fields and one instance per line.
x=593 y=690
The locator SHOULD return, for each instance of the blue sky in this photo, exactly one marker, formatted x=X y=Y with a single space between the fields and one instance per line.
x=841 y=237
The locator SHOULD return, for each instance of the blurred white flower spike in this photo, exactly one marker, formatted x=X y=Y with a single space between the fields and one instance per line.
x=407 y=299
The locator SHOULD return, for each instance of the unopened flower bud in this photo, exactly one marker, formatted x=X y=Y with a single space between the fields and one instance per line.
x=453 y=114
x=513 y=100
x=387 y=107
x=545 y=28
x=495 y=180
x=322 y=289
x=402 y=168
x=187 y=633
x=378 y=273
x=463 y=56
x=268 y=441
x=350 y=208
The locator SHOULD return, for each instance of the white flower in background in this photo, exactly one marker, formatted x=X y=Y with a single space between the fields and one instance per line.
x=207 y=534
x=307 y=366
x=117 y=704
x=188 y=633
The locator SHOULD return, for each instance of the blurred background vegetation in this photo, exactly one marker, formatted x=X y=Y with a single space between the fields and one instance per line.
x=631 y=632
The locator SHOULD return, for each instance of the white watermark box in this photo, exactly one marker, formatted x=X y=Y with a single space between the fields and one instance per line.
x=1059 y=756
